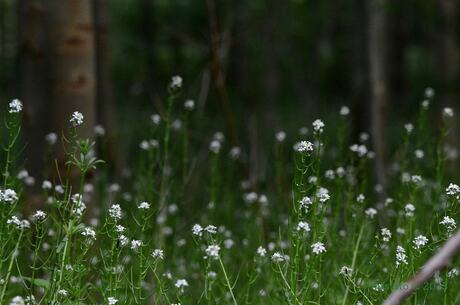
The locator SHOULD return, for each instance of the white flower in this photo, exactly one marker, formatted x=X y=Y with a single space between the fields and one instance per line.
x=235 y=153
x=360 y=198
x=453 y=272
x=250 y=197
x=176 y=82
x=89 y=232
x=409 y=128
x=278 y=257
x=158 y=253
x=144 y=206
x=15 y=106
x=8 y=196
x=449 y=223
x=76 y=119
x=20 y=224
x=453 y=190
x=346 y=271
x=63 y=292
x=280 y=136
x=135 y=245
x=318 y=248
x=303 y=226
x=416 y=179
x=155 y=118
x=215 y=146
x=46 y=185
x=261 y=251
x=197 y=230
x=318 y=126
x=39 y=215
x=123 y=240
x=401 y=257
x=212 y=251
x=304 y=146
x=51 y=138
x=386 y=234
x=112 y=300
x=419 y=242
x=99 y=130
x=305 y=203
x=329 y=174
x=419 y=154
x=115 y=212
x=429 y=92
x=181 y=284
x=17 y=300
x=425 y=104
x=448 y=112
x=371 y=212
x=344 y=110
x=323 y=194
x=119 y=229
x=189 y=105
x=359 y=149
x=211 y=229
x=409 y=210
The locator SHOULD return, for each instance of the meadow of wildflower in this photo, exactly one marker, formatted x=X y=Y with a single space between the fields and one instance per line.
x=184 y=225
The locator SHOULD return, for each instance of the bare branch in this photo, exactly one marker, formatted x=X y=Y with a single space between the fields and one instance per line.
x=437 y=262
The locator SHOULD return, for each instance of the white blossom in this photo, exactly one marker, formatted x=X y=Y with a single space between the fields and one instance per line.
x=318 y=248
x=212 y=251
x=76 y=119
x=15 y=106
x=318 y=126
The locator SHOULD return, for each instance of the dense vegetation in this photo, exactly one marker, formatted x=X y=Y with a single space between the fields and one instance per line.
x=184 y=226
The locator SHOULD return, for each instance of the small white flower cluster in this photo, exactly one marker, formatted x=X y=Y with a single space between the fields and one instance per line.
x=318 y=126
x=158 y=253
x=181 y=284
x=419 y=242
x=344 y=111
x=20 y=224
x=115 y=212
x=136 y=244
x=448 y=112
x=79 y=206
x=303 y=226
x=15 y=106
x=198 y=230
x=409 y=210
x=386 y=234
x=279 y=258
x=261 y=251
x=449 y=223
x=401 y=257
x=453 y=190
x=215 y=146
x=176 y=82
x=76 y=119
x=149 y=144
x=359 y=149
x=144 y=206
x=304 y=147
x=318 y=248
x=371 y=212
x=189 y=105
x=39 y=215
x=24 y=176
x=89 y=233
x=346 y=271
x=323 y=195
x=8 y=196
x=112 y=301
x=212 y=251
x=280 y=136
x=409 y=128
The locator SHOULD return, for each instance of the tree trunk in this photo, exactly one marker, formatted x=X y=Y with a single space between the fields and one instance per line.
x=378 y=82
x=71 y=34
x=33 y=83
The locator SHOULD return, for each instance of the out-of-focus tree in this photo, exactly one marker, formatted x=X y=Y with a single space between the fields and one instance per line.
x=72 y=68
x=33 y=81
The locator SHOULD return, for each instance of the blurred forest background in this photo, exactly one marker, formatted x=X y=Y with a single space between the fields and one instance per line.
x=253 y=67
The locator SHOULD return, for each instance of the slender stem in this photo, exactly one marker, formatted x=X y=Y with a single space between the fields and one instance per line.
x=10 y=267
x=228 y=282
